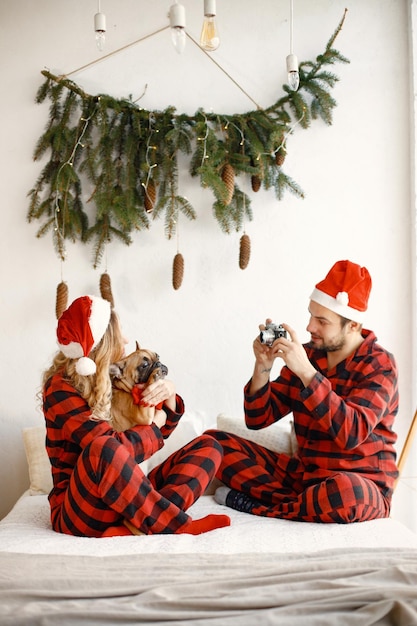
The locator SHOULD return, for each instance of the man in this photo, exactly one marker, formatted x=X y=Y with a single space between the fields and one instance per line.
x=342 y=390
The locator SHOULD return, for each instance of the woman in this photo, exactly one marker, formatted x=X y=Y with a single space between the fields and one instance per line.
x=98 y=487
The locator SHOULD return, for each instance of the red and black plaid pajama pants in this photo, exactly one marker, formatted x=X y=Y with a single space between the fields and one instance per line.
x=282 y=487
x=107 y=486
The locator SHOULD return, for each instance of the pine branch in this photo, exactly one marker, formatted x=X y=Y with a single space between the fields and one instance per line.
x=284 y=183
x=231 y=217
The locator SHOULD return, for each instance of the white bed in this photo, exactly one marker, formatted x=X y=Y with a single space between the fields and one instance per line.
x=257 y=571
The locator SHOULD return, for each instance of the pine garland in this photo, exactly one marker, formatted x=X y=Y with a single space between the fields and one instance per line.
x=119 y=154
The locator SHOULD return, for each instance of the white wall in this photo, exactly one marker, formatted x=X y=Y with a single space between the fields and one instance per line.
x=356 y=176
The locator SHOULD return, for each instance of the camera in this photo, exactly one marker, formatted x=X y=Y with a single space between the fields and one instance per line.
x=272 y=332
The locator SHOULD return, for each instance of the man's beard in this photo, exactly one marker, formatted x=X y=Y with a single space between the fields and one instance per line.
x=336 y=344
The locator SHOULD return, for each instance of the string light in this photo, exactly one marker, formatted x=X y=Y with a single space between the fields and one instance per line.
x=292 y=61
x=204 y=139
x=209 y=38
x=60 y=233
x=242 y=136
x=149 y=147
x=282 y=145
x=290 y=131
x=100 y=28
x=177 y=23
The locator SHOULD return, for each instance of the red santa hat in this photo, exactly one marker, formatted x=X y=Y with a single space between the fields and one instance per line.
x=81 y=328
x=345 y=290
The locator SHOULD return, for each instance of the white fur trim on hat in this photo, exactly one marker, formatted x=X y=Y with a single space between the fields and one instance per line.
x=339 y=305
x=85 y=366
x=72 y=350
x=99 y=318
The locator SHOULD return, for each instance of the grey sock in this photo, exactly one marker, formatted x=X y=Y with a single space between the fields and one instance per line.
x=220 y=495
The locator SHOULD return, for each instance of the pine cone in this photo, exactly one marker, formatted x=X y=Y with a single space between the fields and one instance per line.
x=177 y=270
x=280 y=156
x=255 y=182
x=228 y=177
x=61 y=299
x=150 y=196
x=105 y=288
x=244 y=252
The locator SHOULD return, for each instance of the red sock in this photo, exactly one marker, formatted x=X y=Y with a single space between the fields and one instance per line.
x=204 y=525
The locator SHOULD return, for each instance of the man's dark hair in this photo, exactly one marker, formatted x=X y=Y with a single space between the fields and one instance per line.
x=344 y=321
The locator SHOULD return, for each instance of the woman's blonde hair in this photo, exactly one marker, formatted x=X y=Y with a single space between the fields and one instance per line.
x=96 y=388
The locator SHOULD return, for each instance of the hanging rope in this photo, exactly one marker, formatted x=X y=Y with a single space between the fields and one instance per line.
x=156 y=32
x=111 y=54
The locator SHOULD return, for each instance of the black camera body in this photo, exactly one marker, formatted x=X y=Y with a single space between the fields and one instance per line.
x=272 y=332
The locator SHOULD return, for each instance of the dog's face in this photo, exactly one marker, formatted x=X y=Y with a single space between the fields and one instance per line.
x=141 y=366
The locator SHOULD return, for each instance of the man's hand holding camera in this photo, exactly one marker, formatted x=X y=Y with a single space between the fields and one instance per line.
x=279 y=341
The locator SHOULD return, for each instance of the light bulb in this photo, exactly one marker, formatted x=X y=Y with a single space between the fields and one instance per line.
x=177 y=22
x=100 y=28
x=209 y=38
x=293 y=80
x=100 y=40
x=178 y=38
x=292 y=69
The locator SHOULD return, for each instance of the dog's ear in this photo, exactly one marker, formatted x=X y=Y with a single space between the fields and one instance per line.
x=115 y=370
x=137 y=345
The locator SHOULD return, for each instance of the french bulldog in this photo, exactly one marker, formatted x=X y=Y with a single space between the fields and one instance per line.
x=140 y=367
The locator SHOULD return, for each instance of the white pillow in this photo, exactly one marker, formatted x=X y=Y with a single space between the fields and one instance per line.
x=38 y=461
x=278 y=437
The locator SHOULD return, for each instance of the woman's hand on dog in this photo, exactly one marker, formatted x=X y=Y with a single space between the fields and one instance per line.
x=162 y=390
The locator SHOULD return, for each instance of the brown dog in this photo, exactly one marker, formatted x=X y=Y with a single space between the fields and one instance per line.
x=141 y=366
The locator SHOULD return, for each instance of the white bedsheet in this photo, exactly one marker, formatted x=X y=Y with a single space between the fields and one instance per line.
x=27 y=529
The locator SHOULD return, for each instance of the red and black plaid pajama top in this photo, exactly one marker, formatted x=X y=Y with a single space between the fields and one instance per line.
x=97 y=482
x=345 y=467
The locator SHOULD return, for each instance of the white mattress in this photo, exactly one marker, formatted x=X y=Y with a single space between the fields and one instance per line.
x=27 y=529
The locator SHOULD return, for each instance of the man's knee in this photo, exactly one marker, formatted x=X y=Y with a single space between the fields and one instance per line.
x=352 y=498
